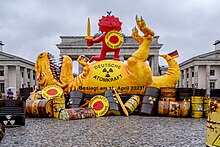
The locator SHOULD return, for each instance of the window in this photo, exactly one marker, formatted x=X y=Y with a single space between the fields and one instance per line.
x=22 y=74
x=28 y=83
x=29 y=75
x=2 y=87
x=212 y=85
x=1 y=73
x=192 y=74
x=187 y=75
x=212 y=72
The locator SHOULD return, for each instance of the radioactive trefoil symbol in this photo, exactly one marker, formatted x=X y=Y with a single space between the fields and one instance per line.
x=174 y=109
x=107 y=72
x=9 y=121
x=200 y=108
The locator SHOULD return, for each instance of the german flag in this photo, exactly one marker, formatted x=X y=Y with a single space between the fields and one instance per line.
x=174 y=54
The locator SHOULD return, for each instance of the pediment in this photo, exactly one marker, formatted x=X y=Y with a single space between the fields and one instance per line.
x=213 y=54
x=6 y=56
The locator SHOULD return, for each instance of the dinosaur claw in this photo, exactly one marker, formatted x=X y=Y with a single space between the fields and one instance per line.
x=162 y=55
x=134 y=29
x=141 y=18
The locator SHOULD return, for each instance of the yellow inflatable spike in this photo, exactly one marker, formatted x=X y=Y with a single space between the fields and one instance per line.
x=33 y=94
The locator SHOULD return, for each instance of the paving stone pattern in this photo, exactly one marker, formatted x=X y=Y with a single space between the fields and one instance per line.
x=108 y=131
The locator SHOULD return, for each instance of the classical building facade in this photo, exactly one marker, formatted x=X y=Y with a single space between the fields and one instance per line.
x=15 y=72
x=202 y=71
x=74 y=46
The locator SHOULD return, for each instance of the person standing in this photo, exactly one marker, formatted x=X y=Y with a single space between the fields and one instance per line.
x=10 y=94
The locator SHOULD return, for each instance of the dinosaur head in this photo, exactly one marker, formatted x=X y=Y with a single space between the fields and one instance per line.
x=46 y=69
x=49 y=73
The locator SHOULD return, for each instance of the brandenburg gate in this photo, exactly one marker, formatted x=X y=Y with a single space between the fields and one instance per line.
x=74 y=46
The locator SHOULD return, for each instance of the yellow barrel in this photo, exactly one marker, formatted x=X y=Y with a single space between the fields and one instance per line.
x=174 y=109
x=213 y=125
x=132 y=103
x=28 y=107
x=34 y=108
x=168 y=99
x=163 y=108
x=206 y=101
x=197 y=106
x=184 y=108
x=39 y=108
x=58 y=104
x=45 y=108
x=168 y=94
x=168 y=90
x=76 y=113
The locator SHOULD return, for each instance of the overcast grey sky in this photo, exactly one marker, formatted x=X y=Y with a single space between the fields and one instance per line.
x=28 y=27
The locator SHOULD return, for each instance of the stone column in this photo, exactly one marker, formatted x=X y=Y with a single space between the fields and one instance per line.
x=25 y=78
x=150 y=60
x=196 y=74
x=190 y=78
x=154 y=65
x=181 y=79
x=121 y=58
x=6 y=80
x=185 y=78
x=18 y=77
x=207 y=79
x=80 y=68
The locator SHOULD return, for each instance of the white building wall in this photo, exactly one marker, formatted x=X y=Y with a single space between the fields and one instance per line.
x=216 y=77
x=201 y=77
x=216 y=70
x=193 y=82
x=22 y=78
x=201 y=66
x=12 y=76
x=2 y=77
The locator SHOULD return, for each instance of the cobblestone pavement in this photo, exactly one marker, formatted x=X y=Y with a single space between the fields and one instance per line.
x=108 y=131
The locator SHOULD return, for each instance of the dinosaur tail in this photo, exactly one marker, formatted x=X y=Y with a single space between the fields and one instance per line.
x=172 y=75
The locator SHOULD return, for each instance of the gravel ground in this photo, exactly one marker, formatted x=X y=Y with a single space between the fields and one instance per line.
x=108 y=131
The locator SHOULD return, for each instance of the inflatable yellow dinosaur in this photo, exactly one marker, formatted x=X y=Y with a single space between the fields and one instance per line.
x=127 y=78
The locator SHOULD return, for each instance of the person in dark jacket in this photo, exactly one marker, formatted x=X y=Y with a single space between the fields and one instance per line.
x=10 y=94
